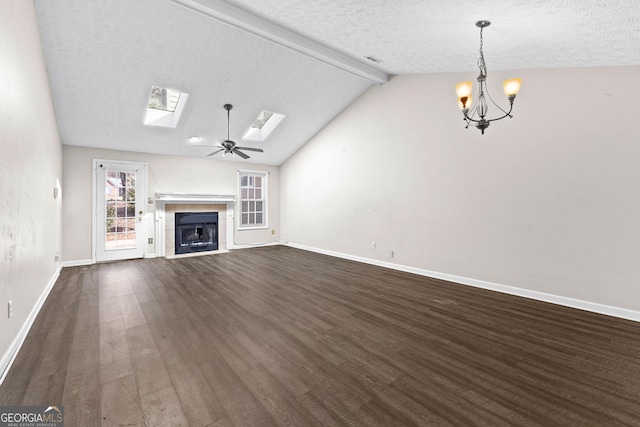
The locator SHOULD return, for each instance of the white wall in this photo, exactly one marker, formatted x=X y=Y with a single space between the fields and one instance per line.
x=169 y=174
x=30 y=168
x=547 y=201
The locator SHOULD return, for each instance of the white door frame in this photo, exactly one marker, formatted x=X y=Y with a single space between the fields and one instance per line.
x=141 y=231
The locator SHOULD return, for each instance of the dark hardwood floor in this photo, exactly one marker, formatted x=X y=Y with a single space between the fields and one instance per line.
x=280 y=336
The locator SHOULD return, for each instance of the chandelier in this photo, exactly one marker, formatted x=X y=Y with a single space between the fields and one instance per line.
x=477 y=113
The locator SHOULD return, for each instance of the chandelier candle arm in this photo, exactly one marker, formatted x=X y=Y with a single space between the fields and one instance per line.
x=481 y=108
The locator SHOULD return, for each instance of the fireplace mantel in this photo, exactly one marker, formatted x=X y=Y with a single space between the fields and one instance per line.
x=162 y=200
x=194 y=198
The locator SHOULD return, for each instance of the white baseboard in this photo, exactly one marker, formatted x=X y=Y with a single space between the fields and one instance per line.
x=77 y=263
x=11 y=353
x=150 y=256
x=257 y=245
x=622 y=313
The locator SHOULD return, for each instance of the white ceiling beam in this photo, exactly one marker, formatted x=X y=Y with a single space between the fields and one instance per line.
x=239 y=18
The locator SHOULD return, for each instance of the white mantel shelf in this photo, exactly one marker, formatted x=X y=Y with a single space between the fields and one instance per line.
x=194 y=198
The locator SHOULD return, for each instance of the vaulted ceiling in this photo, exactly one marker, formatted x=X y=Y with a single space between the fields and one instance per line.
x=303 y=59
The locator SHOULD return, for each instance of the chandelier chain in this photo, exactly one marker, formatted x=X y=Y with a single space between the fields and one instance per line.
x=481 y=64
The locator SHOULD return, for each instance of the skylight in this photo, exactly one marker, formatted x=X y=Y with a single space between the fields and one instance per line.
x=165 y=107
x=263 y=126
x=262 y=119
x=164 y=99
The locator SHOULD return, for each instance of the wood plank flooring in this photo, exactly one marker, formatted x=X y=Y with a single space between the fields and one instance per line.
x=279 y=336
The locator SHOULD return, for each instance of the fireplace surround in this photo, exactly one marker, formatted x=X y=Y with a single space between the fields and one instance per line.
x=167 y=204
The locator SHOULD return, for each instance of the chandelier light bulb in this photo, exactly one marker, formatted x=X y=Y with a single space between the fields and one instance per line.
x=465 y=102
x=464 y=89
x=512 y=86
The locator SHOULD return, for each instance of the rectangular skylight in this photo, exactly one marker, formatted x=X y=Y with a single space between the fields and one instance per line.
x=263 y=126
x=262 y=119
x=164 y=99
x=165 y=107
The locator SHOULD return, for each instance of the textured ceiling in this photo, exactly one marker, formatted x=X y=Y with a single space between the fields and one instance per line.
x=427 y=36
x=104 y=56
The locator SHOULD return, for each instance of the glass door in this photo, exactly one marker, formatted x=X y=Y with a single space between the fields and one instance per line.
x=120 y=211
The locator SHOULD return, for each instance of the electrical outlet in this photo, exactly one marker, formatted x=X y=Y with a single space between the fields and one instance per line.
x=273 y=232
x=150 y=240
x=10 y=309
x=56 y=257
x=373 y=245
x=392 y=254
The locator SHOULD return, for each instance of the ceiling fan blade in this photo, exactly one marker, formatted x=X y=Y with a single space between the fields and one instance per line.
x=240 y=153
x=215 y=152
x=259 y=150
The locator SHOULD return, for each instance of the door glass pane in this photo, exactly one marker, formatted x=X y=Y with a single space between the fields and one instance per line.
x=120 y=210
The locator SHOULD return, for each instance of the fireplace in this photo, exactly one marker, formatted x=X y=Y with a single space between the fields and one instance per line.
x=196 y=232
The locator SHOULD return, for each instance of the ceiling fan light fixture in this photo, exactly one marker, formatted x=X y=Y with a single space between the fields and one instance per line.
x=227 y=146
x=464 y=90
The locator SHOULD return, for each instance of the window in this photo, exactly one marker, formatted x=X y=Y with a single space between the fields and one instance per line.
x=253 y=199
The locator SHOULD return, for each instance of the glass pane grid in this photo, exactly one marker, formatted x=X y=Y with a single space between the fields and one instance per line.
x=251 y=206
x=120 y=210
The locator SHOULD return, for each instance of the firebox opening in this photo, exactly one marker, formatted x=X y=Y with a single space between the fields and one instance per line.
x=196 y=232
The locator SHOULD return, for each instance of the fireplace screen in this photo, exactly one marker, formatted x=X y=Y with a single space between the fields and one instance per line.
x=196 y=232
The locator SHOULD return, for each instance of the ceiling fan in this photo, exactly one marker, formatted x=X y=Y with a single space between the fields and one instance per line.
x=229 y=147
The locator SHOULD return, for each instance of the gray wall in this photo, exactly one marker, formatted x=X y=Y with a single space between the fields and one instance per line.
x=169 y=174
x=30 y=168
x=547 y=201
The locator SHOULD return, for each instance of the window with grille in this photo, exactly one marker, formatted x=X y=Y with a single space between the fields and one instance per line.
x=253 y=199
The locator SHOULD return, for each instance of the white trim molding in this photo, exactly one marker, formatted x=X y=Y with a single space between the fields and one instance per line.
x=258 y=245
x=10 y=355
x=77 y=263
x=622 y=313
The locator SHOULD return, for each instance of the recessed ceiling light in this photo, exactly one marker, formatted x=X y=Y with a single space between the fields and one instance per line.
x=194 y=139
